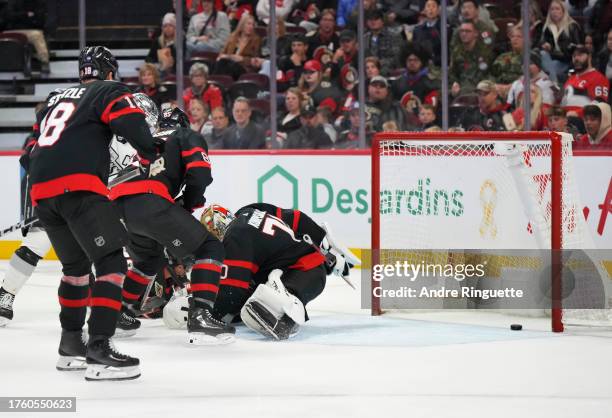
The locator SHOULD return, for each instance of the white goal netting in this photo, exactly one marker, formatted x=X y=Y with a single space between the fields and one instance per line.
x=498 y=200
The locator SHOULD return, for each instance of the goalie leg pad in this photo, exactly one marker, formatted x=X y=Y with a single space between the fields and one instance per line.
x=261 y=320
x=270 y=304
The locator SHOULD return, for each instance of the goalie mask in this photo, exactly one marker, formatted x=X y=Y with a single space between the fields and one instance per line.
x=216 y=219
x=150 y=110
x=173 y=117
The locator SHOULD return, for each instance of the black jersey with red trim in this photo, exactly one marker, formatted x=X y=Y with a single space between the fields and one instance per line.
x=265 y=237
x=76 y=127
x=186 y=164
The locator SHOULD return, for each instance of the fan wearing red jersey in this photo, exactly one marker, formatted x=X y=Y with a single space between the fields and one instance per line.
x=584 y=85
x=597 y=121
x=68 y=169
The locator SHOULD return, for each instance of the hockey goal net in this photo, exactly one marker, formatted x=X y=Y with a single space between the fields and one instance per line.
x=486 y=214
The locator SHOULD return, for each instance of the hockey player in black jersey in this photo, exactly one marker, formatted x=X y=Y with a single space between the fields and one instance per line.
x=276 y=261
x=68 y=169
x=154 y=221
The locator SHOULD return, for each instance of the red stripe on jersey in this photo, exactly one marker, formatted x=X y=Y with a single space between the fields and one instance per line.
x=192 y=151
x=234 y=283
x=73 y=303
x=128 y=295
x=114 y=115
x=108 y=108
x=30 y=143
x=242 y=264
x=279 y=213
x=296 y=219
x=207 y=266
x=195 y=164
x=114 y=278
x=131 y=274
x=308 y=262
x=204 y=287
x=67 y=184
x=140 y=187
x=106 y=303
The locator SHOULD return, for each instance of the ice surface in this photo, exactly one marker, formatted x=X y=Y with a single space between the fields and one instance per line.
x=344 y=363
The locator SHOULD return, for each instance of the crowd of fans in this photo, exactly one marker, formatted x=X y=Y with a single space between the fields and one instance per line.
x=228 y=58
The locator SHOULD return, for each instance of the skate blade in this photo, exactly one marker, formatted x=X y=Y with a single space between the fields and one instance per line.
x=199 y=338
x=71 y=363
x=100 y=372
x=122 y=333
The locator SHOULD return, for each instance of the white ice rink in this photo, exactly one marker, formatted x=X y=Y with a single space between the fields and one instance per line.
x=343 y=364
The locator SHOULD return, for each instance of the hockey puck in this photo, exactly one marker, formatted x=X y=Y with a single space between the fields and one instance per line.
x=516 y=327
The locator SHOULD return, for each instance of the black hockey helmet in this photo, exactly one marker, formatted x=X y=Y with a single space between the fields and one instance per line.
x=173 y=117
x=96 y=62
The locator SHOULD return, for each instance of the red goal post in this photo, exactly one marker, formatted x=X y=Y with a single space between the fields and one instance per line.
x=553 y=149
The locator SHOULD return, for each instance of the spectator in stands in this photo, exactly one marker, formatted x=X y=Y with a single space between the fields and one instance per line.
x=559 y=35
x=381 y=107
x=427 y=117
x=604 y=57
x=492 y=114
x=348 y=82
x=345 y=8
x=598 y=128
x=208 y=31
x=508 y=66
x=324 y=118
x=536 y=22
x=199 y=112
x=283 y=41
x=283 y=9
x=208 y=93
x=368 y=6
x=402 y=12
x=241 y=54
x=149 y=81
x=293 y=65
x=290 y=121
x=601 y=22
x=310 y=135
x=416 y=81
x=470 y=60
x=348 y=53
x=372 y=67
x=349 y=138
x=218 y=136
x=244 y=133
x=538 y=77
x=427 y=33
x=326 y=35
x=470 y=12
x=584 y=85
x=28 y=17
x=538 y=119
x=315 y=89
x=163 y=51
x=380 y=42
x=557 y=122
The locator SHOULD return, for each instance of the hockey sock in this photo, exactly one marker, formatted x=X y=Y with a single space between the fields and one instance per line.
x=135 y=285
x=105 y=304
x=73 y=296
x=205 y=276
x=21 y=266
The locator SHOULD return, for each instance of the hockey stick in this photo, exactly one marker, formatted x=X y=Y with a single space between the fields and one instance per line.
x=308 y=240
x=124 y=175
x=21 y=224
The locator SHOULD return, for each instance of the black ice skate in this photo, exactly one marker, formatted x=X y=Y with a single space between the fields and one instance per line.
x=72 y=351
x=104 y=362
x=204 y=329
x=6 y=307
x=127 y=324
